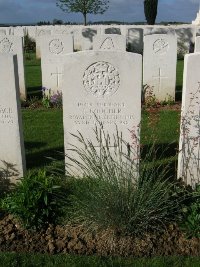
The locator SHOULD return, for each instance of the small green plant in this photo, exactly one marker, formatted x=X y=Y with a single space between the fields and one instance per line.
x=150 y=101
x=191 y=212
x=36 y=200
x=51 y=100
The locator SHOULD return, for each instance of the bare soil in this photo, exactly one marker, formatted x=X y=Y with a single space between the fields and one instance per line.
x=77 y=240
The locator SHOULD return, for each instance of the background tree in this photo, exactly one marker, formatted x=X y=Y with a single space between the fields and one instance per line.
x=84 y=6
x=150 y=11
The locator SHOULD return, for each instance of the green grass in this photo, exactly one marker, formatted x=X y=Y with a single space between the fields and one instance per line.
x=36 y=260
x=43 y=135
x=179 y=79
x=33 y=75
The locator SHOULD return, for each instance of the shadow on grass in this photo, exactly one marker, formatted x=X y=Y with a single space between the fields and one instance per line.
x=165 y=155
x=45 y=157
x=178 y=94
x=34 y=92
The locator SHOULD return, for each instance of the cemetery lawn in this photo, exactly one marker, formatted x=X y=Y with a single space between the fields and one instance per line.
x=33 y=75
x=43 y=128
x=22 y=260
x=43 y=134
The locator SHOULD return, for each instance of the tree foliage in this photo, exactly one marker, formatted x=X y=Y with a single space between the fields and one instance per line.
x=84 y=6
x=150 y=11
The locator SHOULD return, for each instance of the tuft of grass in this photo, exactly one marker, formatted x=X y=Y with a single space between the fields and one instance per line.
x=112 y=195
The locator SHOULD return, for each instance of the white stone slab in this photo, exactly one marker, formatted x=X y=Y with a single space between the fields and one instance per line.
x=10 y=44
x=112 y=42
x=159 y=65
x=39 y=33
x=2 y=32
x=189 y=146
x=11 y=132
x=105 y=84
x=53 y=52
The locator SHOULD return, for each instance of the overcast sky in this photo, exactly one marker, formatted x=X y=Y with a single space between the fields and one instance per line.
x=30 y=11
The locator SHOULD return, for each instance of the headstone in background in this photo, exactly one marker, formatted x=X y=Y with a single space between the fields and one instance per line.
x=53 y=52
x=11 y=132
x=189 y=145
x=159 y=65
x=103 y=85
x=39 y=33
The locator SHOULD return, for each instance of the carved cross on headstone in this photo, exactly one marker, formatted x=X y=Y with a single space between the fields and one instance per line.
x=58 y=74
x=160 y=78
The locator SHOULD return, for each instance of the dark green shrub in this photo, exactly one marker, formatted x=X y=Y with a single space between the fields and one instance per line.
x=150 y=11
x=191 y=214
x=29 y=45
x=37 y=200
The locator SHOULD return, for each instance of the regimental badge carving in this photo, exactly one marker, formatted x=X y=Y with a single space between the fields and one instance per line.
x=160 y=46
x=56 y=46
x=107 y=44
x=5 y=46
x=101 y=79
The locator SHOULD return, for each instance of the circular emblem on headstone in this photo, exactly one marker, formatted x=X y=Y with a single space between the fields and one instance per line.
x=56 y=46
x=101 y=79
x=160 y=46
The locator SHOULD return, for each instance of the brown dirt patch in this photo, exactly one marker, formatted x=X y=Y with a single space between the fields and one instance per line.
x=77 y=240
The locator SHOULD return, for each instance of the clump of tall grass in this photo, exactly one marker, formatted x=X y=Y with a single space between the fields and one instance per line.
x=116 y=192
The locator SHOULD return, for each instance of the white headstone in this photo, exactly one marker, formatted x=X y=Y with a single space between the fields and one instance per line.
x=39 y=34
x=189 y=146
x=105 y=84
x=10 y=44
x=109 y=42
x=159 y=65
x=11 y=132
x=53 y=52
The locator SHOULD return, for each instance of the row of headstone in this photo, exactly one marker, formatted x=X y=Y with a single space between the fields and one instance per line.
x=159 y=61
x=104 y=86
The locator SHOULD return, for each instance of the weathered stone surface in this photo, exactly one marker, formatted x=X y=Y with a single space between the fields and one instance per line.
x=12 y=156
